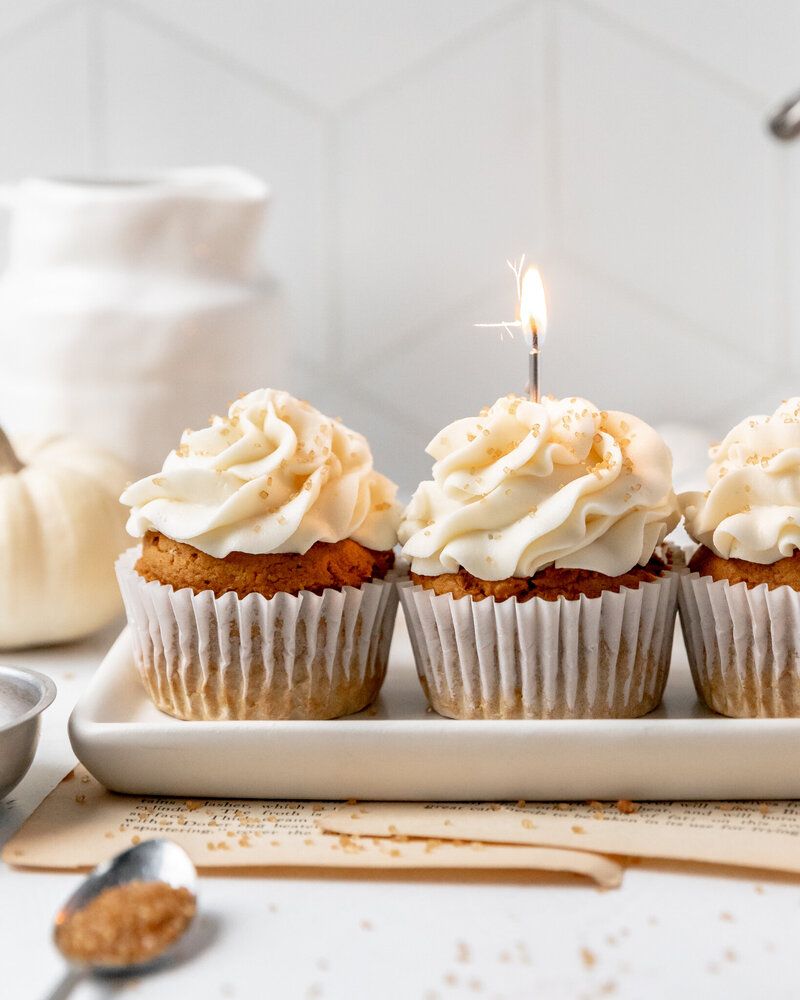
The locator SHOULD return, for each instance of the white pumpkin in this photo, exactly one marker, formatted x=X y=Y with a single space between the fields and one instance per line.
x=61 y=529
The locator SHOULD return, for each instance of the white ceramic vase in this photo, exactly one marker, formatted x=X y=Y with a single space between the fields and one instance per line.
x=130 y=310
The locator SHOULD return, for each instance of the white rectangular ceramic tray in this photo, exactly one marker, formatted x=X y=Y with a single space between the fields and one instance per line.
x=400 y=750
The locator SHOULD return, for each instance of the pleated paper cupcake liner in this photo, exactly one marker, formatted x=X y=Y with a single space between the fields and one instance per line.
x=591 y=658
x=305 y=657
x=743 y=645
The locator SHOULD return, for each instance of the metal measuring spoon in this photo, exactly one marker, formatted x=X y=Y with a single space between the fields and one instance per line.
x=150 y=861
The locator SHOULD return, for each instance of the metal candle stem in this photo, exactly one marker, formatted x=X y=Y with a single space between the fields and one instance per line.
x=533 y=368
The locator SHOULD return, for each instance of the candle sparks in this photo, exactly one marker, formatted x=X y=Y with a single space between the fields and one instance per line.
x=532 y=318
x=507 y=325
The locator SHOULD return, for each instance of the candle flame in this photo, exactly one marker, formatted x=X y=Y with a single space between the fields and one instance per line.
x=533 y=308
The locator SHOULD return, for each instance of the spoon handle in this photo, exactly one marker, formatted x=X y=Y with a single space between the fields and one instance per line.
x=66 y=984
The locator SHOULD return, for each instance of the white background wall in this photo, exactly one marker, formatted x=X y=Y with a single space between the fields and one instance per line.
x=414 y=146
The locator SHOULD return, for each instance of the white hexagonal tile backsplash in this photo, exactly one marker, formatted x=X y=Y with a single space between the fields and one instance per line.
x=413 y=148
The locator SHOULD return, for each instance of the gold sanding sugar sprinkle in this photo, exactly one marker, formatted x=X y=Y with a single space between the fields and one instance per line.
x=626 y=806
x=126 y=924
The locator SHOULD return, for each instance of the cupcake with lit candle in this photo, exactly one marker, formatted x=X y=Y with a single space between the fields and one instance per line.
x=260 y=589
x=538 y=589
x=740 y=605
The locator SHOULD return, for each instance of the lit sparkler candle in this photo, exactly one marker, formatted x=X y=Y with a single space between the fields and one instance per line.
x=532 y=320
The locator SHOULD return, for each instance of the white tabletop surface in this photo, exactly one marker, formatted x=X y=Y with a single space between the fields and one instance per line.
x=669 y=931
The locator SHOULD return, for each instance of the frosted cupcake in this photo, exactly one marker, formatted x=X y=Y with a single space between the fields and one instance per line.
x=740 y=607
x=537 y=590
x=259 y=589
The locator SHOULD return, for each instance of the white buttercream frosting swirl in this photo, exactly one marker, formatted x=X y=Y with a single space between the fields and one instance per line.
x=275 y=475
x=752 y=507
x=528 y=485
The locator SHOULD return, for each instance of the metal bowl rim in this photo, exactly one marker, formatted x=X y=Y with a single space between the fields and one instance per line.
x=47 y=693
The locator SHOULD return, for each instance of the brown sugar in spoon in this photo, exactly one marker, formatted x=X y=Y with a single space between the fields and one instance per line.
x=128 y=913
